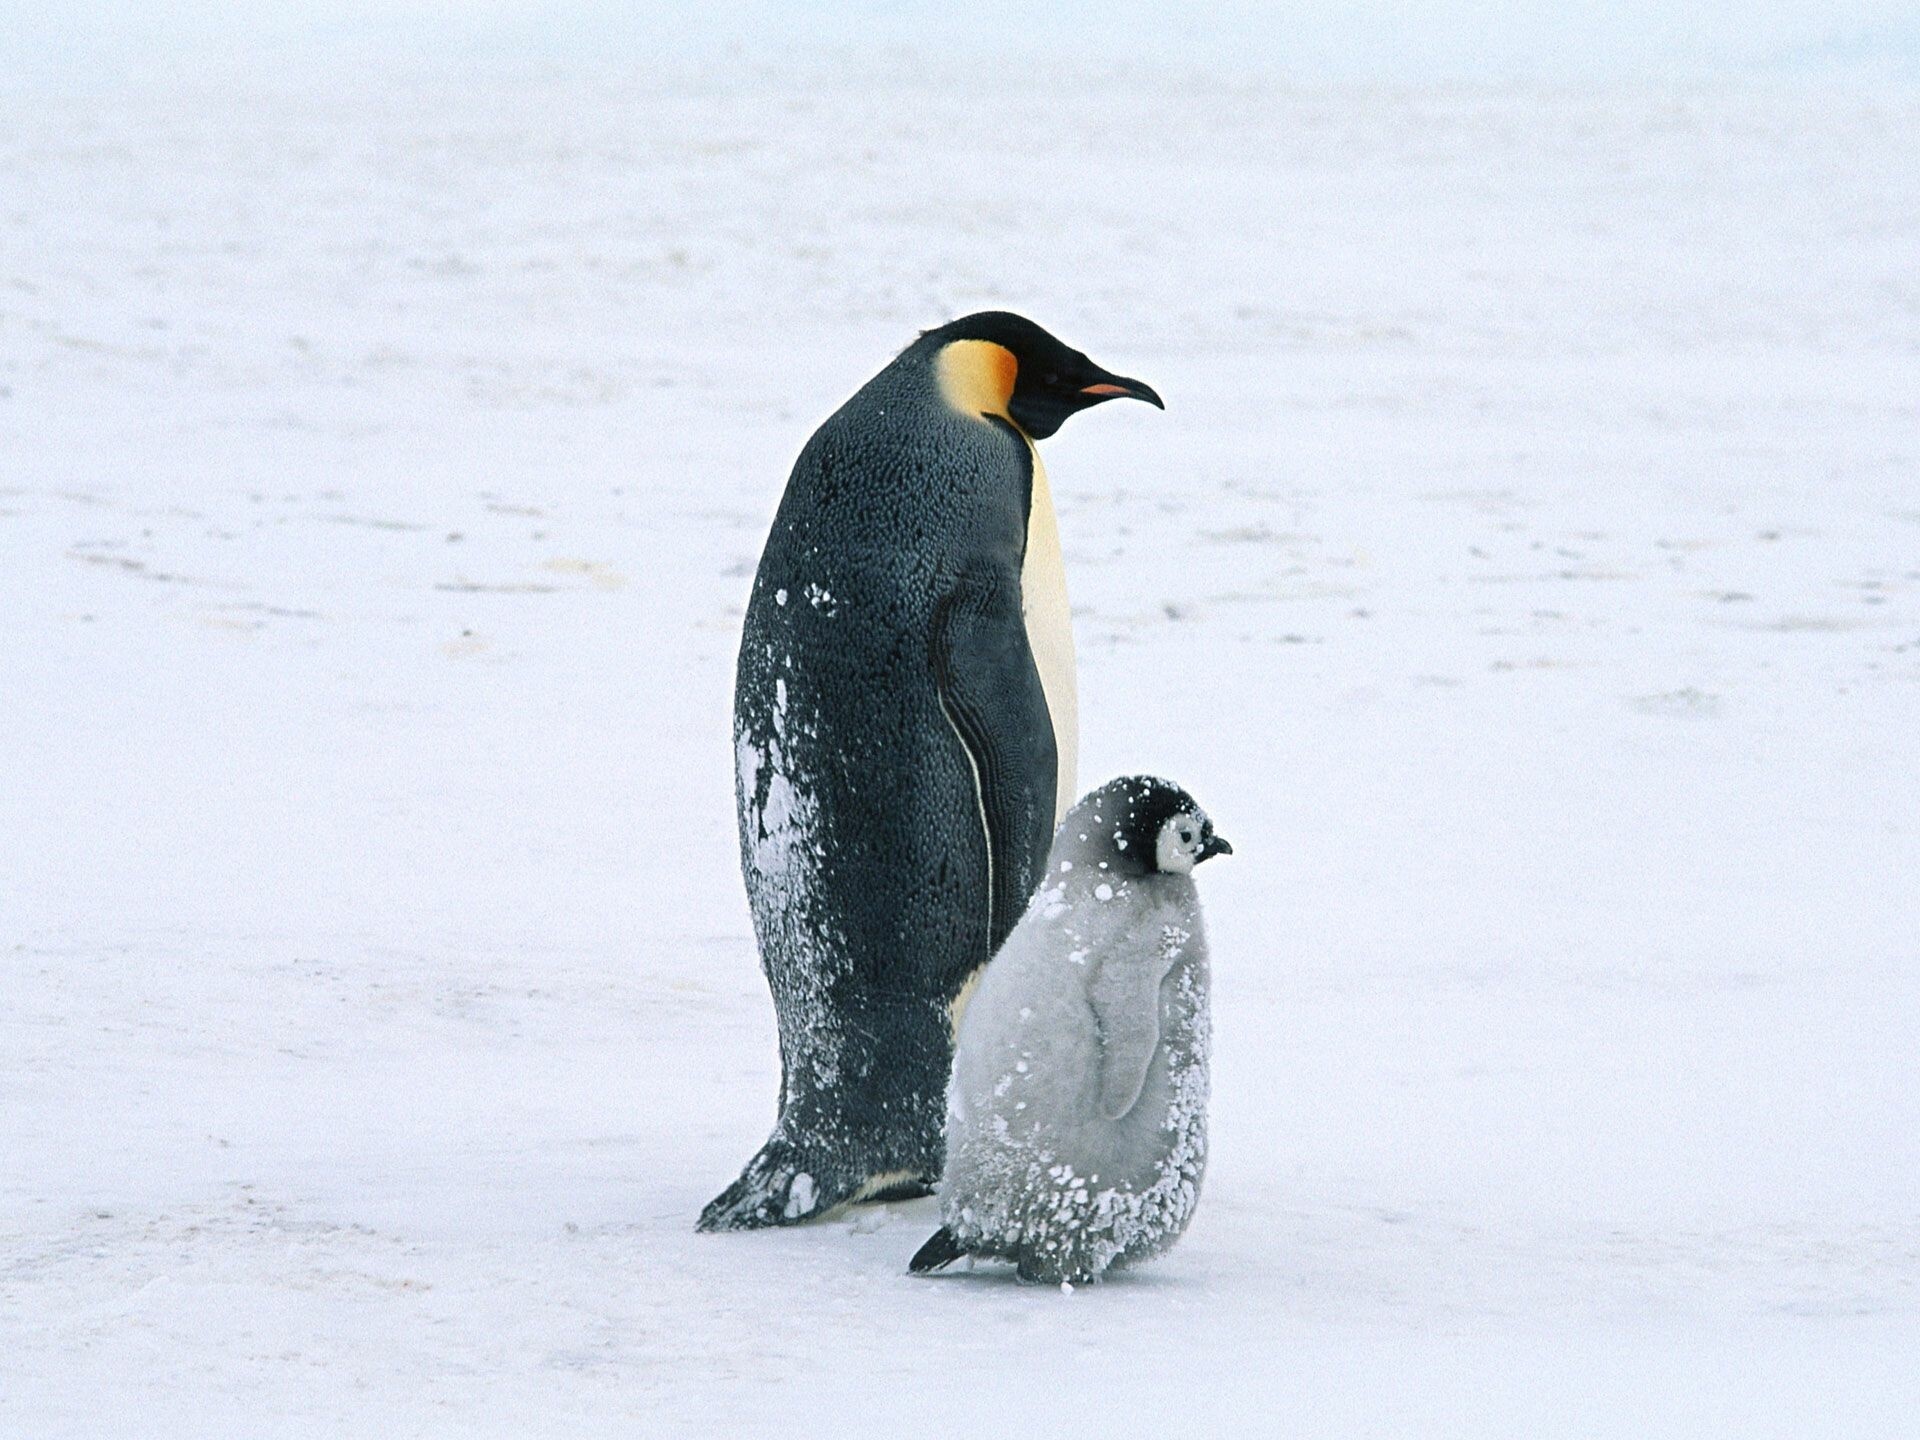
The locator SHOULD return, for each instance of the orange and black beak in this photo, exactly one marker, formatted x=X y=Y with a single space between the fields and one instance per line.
x=1043 y=398
x=1115 y=387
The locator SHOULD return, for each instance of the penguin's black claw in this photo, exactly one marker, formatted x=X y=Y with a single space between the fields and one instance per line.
x=776 y=1188
x=741 y=1206
x=940 y=1251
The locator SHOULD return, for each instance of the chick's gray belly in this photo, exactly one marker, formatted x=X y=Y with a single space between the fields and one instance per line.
x=1036 y=1174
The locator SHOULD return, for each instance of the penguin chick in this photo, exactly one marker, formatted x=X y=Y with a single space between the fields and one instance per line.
x=1076 y=1113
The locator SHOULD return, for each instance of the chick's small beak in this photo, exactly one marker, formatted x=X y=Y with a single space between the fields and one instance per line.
x=1216 y=845
x=1115 y=387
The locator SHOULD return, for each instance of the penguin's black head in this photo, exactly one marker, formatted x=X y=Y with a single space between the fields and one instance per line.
x=996 y=362
x=1153 y=825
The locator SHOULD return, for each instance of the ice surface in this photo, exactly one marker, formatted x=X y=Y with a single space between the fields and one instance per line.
x=1526 y=574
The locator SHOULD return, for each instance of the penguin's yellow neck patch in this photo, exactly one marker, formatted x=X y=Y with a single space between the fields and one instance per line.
x=976 y=377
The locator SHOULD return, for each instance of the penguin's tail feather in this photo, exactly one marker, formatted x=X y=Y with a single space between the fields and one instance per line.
x=939 y=1252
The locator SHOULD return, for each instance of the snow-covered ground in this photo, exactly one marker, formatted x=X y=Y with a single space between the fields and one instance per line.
x=1526 y=572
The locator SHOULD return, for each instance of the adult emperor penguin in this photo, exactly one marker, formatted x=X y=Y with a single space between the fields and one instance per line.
x=1076 y=1128
x=904 y=730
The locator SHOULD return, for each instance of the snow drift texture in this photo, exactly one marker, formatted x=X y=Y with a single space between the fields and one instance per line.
x=1526 y=571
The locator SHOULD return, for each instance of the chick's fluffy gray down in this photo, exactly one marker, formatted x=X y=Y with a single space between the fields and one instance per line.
x=1077 y=1108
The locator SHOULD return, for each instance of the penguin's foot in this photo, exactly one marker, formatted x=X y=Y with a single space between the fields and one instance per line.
x=778 y=1187
x=889 y=1189
x=940 y=1251
x=1031 y=1270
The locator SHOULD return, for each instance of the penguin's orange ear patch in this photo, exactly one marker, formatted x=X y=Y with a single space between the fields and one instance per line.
x=976 y=377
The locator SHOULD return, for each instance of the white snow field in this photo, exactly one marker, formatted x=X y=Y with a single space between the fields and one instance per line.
x=1526 y=573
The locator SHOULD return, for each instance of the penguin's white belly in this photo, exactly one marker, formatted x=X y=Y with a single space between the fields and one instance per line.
x=1043 y=591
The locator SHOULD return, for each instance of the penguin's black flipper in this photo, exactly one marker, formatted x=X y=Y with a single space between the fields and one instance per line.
x=990 y=689
x=939 y=1252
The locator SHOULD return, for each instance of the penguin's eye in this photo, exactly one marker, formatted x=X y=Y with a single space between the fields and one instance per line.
x=1186 y=837
x=1053 y=377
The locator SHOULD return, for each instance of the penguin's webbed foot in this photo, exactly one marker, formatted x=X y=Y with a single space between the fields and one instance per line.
x=778 y=1187
x=1050 y=1269
x=940 y=1251
x=909 y=1188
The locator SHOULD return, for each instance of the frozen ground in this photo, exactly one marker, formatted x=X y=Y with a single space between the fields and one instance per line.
x=1526 y=572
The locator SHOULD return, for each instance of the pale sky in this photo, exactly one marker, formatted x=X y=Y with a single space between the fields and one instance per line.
x=1308 y=39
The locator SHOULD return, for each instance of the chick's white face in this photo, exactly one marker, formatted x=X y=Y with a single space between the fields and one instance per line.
x=1181 y=838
